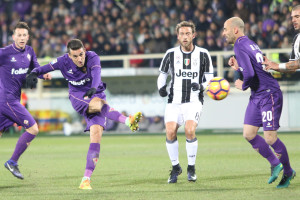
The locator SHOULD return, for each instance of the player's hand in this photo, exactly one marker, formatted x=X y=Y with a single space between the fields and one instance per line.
x=163 y=91
x=233 y=63
x=31 y=80
x=90 y=93
x=47 y=76
x=269 y=64
x=239 y=84
x=196 y=86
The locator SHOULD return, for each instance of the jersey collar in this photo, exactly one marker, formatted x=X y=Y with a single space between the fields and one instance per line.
x=18 y=49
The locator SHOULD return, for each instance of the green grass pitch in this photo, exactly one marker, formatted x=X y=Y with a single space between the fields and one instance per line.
x=137 y=167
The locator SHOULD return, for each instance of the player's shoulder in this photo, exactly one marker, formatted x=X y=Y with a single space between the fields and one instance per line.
x=61 y=60
x=296 y=37
x=91 y=54
x=200 y=49
x=173 y=49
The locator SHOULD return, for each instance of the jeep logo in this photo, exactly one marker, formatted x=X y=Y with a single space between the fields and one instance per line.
x=188 y=74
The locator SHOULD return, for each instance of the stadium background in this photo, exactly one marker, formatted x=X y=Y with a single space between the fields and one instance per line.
x=131 y=37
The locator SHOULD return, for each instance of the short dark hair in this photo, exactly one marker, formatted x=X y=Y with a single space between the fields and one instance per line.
x=74 y=44
x=23 y=25
x=186 y=24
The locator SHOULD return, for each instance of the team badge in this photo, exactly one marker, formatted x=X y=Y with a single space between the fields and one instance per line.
x=187 y=61
x=25 y=122
x=28 y=56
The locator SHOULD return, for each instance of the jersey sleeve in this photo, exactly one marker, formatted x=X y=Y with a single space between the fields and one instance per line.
x=94 y=64
x=53 y=65
x=247 y=70
x=34 y=63
x=208 y=68
x=165 y=63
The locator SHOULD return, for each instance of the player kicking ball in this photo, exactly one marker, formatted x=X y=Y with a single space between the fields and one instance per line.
x=82 y=70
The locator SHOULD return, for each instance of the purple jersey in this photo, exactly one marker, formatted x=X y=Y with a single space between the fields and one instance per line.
x=14 y=65
x=79 y=81
x=249 y=58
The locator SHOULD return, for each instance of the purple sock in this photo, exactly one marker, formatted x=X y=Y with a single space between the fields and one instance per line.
x=22 y=145
x=282 y=153
x=92 y=159
x=116 y=116
x=258 y=143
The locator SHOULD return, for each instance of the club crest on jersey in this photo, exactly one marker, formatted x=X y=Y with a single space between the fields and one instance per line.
x=195 y=62
x=187 y=61
x=70 y=71
x=13 y=59
x=26 y=122
x=28 y=56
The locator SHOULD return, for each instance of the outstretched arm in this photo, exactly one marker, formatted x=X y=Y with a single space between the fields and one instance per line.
x=289 y=67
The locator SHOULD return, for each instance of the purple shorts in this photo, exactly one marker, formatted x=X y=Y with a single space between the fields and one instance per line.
x=81 y=105
x=265 y=111
x=14 y=112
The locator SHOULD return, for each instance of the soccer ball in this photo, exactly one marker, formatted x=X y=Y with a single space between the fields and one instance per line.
x=218 y=88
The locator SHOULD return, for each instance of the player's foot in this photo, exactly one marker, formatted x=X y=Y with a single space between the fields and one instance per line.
x=133 y=121
x=285 y=180
x=176 y=171
x=12 y=166
x=275 y=170
x=191 y=174
x=85 y=184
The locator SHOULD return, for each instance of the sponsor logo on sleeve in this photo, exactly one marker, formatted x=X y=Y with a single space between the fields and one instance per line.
x=53 y=62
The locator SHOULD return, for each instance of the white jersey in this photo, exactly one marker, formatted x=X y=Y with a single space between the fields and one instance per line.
x=185 y=69
x=295 y=55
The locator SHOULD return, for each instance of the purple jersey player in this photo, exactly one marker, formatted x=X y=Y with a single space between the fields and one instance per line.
x=16 y=60
x=82 y=70
x=265 y=104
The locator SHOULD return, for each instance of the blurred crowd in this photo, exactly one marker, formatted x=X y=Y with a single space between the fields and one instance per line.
x=137 y=27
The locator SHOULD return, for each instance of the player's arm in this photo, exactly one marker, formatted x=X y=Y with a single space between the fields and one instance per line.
x=289 y=67
x=34 y=64
x=162 y=78
x=209 y=71
x=248 y=71
x=31 y=79
x=95 y=65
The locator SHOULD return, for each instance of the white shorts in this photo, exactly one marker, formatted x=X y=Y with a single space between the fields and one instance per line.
x=180 y=113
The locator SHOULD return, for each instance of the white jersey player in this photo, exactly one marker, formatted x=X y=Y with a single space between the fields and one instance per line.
x=191 y=70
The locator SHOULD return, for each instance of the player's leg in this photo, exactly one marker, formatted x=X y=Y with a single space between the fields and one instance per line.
x=191 y=117
x=19 y=114
x=92 y=155
x=99 y=105
x=253 y=120
x=271 y=113
x=173 y=121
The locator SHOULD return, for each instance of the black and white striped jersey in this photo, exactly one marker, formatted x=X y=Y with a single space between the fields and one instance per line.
x=295 y=55
x=185 y=69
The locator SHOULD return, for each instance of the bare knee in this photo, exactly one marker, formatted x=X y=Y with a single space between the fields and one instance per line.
x=96 y=133
x=171 y=134
x=34 y=130
x=190 y=132
x=249 y=132
x=270 y=137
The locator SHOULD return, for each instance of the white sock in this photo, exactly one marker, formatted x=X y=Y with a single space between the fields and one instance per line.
x=191 y=150
x=172 y=147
